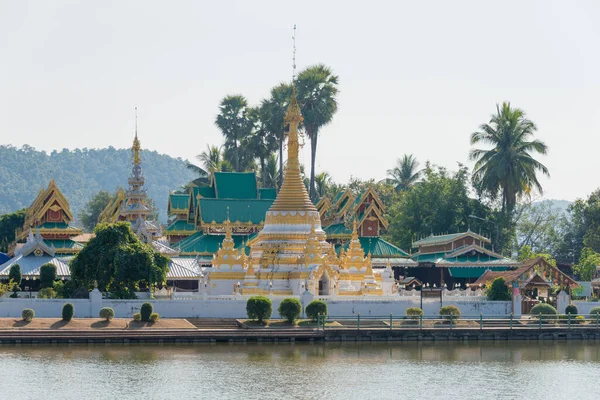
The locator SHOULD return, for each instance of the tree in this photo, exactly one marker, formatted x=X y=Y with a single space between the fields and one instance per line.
x=235 y=126
x=588 y=262
x=259 y=308
x=275 y=108
x=271 y=173
x=290 y=309
x=526 y=253
x=322 y=183
x=47 y=275
x=14 y=274
x=317 y=91
x=508 y=168
x=118 y=261
x=9 y=224
x=262 y=142
x=406 y=172
x=90 y=213
x=539 y=225
x=498 y=290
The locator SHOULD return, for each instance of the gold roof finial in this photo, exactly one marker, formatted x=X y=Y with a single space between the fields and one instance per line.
x=136 y=143
x=354 y=230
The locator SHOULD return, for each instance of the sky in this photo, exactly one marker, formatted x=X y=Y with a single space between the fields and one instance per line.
x=414 y=77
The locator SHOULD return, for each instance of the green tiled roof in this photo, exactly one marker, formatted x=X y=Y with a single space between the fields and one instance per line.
x=179 y=201
x=268 y=193
x=432 y=258
x=239 y=210
x=337 y=196
x=472 y=272
x=236 y=185
x=54 y=225
x=181 y=225
x=201 y=243
x=337 y=229
x=207 y=192
x=433 y=239
x=380 y=248
x=63 y=244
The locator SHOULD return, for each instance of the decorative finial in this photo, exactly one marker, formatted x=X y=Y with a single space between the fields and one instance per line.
x=136 y=143
x=294 y=57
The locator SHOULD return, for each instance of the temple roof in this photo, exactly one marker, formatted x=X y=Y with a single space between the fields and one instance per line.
x=179 y=202
x=181 y=226
x=526 y=272
x=218 y=210
x=235 y=185
x=30 y=265
x=447 y=238
x=202 y=244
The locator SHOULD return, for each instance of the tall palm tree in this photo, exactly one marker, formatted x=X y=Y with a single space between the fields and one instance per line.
x=261 y=142
x=270 y=175
x=322 y=182
x=508 y=168
x=406 y=172
x=317 y=91
x=234 y=124
x=274 y=109
x=211 y=160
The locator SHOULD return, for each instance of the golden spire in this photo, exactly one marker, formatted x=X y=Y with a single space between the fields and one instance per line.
x=354 y=231
x=293 y=195
x=136 y=144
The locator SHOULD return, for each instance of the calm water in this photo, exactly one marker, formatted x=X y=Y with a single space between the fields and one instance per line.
x=487 y=371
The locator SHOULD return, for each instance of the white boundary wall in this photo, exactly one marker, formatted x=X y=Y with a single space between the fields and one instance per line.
x=235 y=306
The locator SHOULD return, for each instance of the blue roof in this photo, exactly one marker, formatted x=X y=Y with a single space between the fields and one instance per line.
x=4 y=258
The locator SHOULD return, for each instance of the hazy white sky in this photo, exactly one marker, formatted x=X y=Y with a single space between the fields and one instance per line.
x=415 y=77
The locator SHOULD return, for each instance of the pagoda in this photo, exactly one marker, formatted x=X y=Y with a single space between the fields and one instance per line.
x=290 y=255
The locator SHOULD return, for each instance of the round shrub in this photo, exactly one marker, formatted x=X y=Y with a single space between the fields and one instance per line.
x=448 y=311
x=290 y=309
x=580 y=319
x=107 y=313
x=146 y=311
x=259 y=308
x=47 y=275
x=154 y=317
x=316 y=308
x=68 y=311
x=414 y=312
x=595 y=310
x=46 y=293
x=27 y=314
x=571 y=309
x=547 y=312
x=137 y=317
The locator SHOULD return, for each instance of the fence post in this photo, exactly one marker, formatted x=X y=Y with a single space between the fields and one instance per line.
x=511 y=320
x=480 y=321
x=540 y=321
x=390 y=321
x=450 y=320
x=597 y=315
x=569 y=320
x=420 y=321
x=358 y=319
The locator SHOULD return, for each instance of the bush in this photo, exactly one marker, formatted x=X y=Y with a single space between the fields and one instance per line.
x=14 y=274
x=14 y=295
x=414 y=312
x=27 y=314
x=448 y=311
x=571 y=309
x=498 y=291
x=595 y=310
x=46 y=293
x=68 y=311
x=107 y=313
x=154 y=317
x=146 y=311
x=47 y=275
x=259 y=308
x=137 y=317
x=547 y=312
x=316 y=308
x=580 y=319
x=290 y=309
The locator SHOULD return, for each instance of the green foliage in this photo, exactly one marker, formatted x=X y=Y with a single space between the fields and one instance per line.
x=154 y=317
x=498 y=290
x=571 y=309
x=414 y=312
x=290 y=309
x=137 y=317
x=9 y=223
x=580 y=319
x=46 y=293
x=145 y=311
x=14 y=274
x=595 y=310
x=65 y=289
x=4 y=288
x=259 y=308
x=27 y=314
x=90 y=213
x=118 y=261
x=406 y=172
x=316 y=308
x=448 y=311
x=106 y=313
x=525 y=253
x=68 y=311
x=47 y=275
x=545 y=310
x=586 y=267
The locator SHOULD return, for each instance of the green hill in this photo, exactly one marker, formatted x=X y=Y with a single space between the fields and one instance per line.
x=81 y=173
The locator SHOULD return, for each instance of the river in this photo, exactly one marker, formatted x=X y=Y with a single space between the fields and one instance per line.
x=500 y=370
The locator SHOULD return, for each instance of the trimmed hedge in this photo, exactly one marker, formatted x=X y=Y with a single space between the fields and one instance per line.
x=414 y=312
x=27 y=314
x=259 y=308
x=137 y=317
x=145 y=311
x=571 y=309
x=68 y=311
x=448 y=311
x=316 y=308
x=107 y=313
x=154 y=317
x=595 y=310
x=547 y=312
x=290 y=309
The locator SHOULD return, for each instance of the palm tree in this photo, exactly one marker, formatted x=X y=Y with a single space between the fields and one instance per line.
x=317 y=90
x=274 y=109
x=508 y=168
x=233 y=122
x=270 y=175
x=262 y=142
x=211 y=160
x=322 y=182
x=406 y=172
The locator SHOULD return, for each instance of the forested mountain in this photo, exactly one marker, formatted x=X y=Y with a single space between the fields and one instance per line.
x=81 y=173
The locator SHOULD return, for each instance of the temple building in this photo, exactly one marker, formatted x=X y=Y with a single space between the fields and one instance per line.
x=198 y=218
x=290 y=254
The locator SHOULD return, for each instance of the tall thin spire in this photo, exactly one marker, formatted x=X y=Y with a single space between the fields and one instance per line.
x=294 y=57
x=136 y=143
